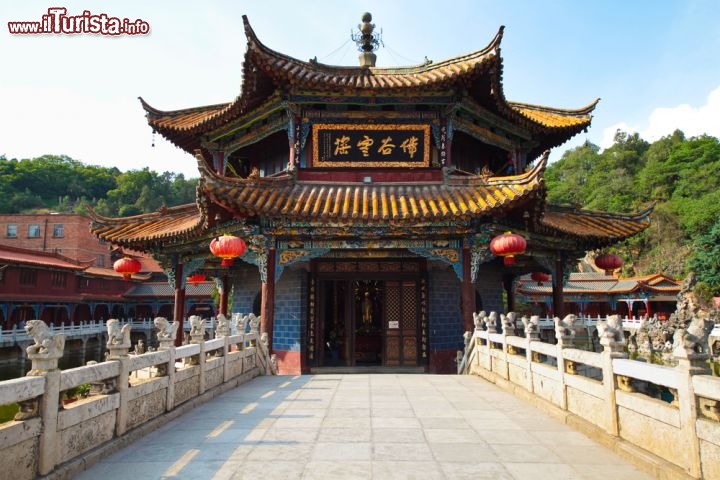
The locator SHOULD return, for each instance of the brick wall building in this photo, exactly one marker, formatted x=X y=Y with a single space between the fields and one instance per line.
x=64 y=233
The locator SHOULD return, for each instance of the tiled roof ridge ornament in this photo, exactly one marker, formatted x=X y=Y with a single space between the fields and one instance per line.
x=367 y=41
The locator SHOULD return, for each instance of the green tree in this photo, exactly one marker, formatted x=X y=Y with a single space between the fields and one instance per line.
x=612 y=185
x=567 y=178
x=657 y=179
x=705 y=261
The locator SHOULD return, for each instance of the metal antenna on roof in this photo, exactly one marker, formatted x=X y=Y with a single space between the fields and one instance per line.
x=367 y=41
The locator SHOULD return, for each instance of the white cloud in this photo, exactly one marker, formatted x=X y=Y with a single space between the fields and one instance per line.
x=693 y=121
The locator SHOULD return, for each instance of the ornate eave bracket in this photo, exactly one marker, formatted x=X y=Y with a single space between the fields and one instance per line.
x=189 y=267
x=256 y=253
x=479 y=254
x=450 y=256
x=288 y=257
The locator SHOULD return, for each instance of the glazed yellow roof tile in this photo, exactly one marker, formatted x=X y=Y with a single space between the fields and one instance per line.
x=139 y=229
x=284 y=198
x=553 y=119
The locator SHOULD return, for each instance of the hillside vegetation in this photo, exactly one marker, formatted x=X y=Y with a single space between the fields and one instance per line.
x=60 y=184
x=679 y=175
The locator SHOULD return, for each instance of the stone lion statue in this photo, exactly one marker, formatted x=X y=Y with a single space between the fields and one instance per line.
x=508 y=323
x=491 y=322
x=694 y=338
x=565 y=327
x=479 y=319
x=610 y=330
x=254 y=322
x=223 y=326
x=197 y=325
x=118 y=336
x=165 y=329
x=240 y=322
x=531 y=325
x=45 y=342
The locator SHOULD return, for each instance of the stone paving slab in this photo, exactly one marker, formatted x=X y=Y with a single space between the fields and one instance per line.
x=365 y=426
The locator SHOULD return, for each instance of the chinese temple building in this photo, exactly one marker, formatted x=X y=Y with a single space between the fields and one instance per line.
x=74 y=291
x=368 y=198
x=594 y=294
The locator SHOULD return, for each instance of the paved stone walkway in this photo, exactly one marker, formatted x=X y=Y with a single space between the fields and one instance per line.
x=365 y=426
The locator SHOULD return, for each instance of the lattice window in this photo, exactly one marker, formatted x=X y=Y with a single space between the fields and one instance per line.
x=393 y=302
x=409 y=305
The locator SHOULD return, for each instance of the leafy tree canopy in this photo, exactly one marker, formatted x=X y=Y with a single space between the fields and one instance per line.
x=59 y=183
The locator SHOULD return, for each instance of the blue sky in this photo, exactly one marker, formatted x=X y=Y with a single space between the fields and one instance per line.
x=655 y=64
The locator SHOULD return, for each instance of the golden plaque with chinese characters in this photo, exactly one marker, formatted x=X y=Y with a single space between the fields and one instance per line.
x=352 y=145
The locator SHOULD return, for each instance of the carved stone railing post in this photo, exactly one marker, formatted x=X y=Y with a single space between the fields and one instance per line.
x=508 y=330
x=197 y=329
x=565 y=335
x=612 y=339
x=44 y=355
x=241 y=328
x=223 y=326
x=166 y=333
x=119 y=342
x=692 y=352
x=491 y=322
x=197 y=336
x=532 y=334
x=118 y=346
x=254 y=327
x=479 y=321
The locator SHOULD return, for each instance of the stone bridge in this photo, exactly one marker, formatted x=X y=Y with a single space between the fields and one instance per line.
x=521 y=409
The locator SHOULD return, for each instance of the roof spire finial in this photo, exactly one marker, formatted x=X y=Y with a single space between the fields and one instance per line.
x=367 y=41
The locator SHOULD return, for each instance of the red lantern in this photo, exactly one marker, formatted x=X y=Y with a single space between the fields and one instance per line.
x=608 y=262
x=507 y=246
x=127 y=266
x=540 y=277
x=195 y=278
x=227 y=247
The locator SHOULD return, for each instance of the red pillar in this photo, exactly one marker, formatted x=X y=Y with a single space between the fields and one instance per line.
x=224 y=296
x=557 y=291
x=468 y=292
x=268 y=298
x=179 y=312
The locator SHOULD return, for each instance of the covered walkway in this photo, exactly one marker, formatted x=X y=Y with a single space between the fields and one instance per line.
x=365 y=426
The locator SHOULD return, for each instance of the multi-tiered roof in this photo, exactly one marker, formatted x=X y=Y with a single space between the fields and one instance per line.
x=467 y=89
